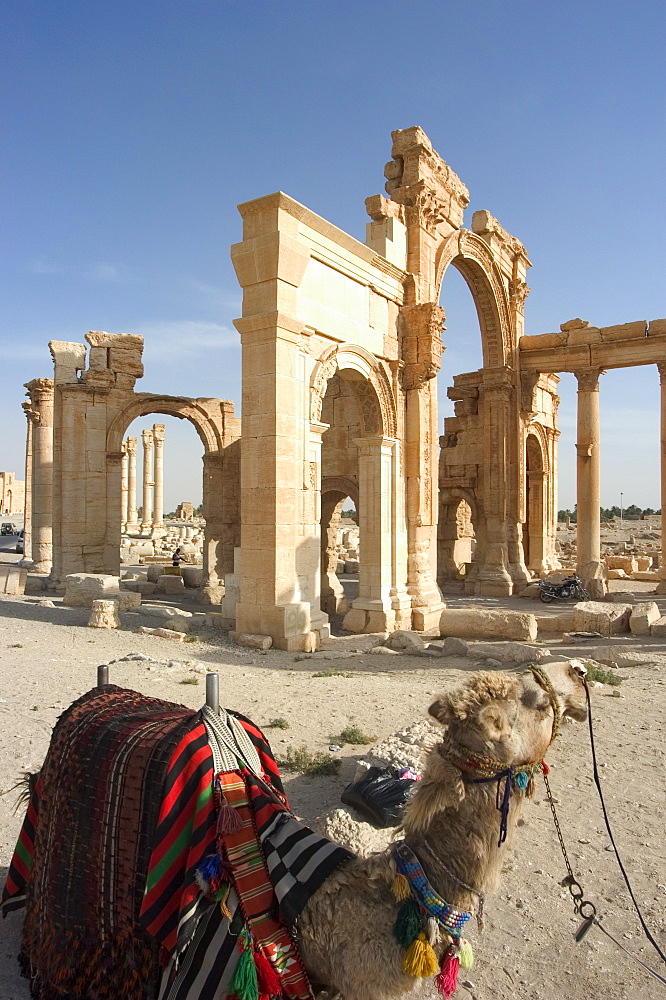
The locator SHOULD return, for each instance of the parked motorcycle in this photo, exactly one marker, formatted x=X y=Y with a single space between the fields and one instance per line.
x=572 y=587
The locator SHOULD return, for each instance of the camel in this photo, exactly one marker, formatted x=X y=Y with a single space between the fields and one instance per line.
x=362 y=934
x=346 y=931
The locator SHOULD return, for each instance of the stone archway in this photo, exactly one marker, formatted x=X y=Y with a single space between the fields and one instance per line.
x=221 y=531
x=334 y=492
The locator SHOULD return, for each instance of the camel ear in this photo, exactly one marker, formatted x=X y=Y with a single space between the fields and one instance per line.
x=494 y=719
x=442 y=710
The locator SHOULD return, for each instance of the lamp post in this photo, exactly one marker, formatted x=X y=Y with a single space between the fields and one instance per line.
x=621 y=508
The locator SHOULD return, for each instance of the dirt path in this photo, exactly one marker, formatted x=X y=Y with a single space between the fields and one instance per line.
x=48 y=657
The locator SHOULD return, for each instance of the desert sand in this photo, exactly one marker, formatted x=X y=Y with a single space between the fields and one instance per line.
x=527 y=951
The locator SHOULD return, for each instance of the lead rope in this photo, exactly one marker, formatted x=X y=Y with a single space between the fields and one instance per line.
x=584 y=907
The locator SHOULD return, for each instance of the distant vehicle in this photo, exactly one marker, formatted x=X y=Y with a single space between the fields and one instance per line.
x=19 y=541
x=8 y=528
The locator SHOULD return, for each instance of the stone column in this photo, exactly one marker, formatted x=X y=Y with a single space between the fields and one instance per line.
x=41 y=394
x=493 y=577
x=375 y=580
x=132 y=522
x=124 y=478
x=661 y=586
x=27 y=503
x=158 y=510
x=148 y=484
x=588 y=488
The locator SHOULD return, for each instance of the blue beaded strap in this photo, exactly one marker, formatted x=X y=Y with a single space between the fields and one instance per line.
x=448 y=917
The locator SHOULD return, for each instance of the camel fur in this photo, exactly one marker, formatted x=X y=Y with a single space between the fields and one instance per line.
x=345 y=932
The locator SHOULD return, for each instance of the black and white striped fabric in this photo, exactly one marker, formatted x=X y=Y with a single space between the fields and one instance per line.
x=298 y=860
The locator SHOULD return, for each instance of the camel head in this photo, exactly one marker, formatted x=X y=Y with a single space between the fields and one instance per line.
x=509 y=719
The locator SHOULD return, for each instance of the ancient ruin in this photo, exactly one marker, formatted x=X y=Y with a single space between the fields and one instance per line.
x=341 y=347
x=12 y=494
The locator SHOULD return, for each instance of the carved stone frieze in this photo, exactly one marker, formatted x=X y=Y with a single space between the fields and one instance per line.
x=420 y=330
x=518 y=292
x=588 y=379
x=418 y=178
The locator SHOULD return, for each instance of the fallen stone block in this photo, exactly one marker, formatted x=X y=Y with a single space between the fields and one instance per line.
x=178 y=624
x=617 y=574
x=518 y=652
x=12 y=579
x=351 y=566
x=659 y=627
x=384 y=650
x=454 y=647
x=647 y=576
x=601 y=617
x=142 y=587
x=104 y=614
x=167 y=584
x=164 y=633
x=163 y=611
x=405 y=641
x=643 y=616
x=625 y=656
x=127 y=600
x=478 y=623
x=192 y=575
x=155 y=572
x=555 y=624
x=81 y=589
x=622 y=597
x=253 y=641
x=531 y=590
x=627 y=563
x=215 y=620
x=212 y=593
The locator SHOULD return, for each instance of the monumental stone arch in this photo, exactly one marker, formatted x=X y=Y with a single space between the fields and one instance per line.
x=220 y=499
x=76 y=424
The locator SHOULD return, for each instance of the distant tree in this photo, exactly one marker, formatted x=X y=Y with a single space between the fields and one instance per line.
x=648 y=511
x=562 y=515
x=351 y=513
x=633 y=510
x=199 y=510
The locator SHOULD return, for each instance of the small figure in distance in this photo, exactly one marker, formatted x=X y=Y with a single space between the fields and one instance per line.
x=177 y=558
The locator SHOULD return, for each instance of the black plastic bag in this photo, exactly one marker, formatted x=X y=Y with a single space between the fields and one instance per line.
x=379 y=796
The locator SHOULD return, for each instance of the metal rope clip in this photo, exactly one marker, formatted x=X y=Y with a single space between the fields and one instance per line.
x=583 y=907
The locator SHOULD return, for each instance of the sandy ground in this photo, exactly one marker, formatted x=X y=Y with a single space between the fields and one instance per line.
x=48 y=657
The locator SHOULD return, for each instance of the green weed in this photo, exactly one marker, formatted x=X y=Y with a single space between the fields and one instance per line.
x=303 y=760
x=277 y=724
x=189 y=680
x=353 y=735
x=331 y=673
x=597 y=673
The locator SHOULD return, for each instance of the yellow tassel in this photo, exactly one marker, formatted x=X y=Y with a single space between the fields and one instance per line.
x=420 y=959
x=465 y=954
x=400 y=887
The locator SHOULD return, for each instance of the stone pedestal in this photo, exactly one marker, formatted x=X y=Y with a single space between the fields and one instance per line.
x=588 y=486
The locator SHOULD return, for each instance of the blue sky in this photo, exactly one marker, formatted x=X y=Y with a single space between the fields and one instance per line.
x=132 y=131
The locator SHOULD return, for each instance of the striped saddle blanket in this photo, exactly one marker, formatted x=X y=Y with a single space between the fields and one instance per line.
x=137 y=803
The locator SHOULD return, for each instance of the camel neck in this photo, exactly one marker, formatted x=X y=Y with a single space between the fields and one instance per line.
x=459 y=849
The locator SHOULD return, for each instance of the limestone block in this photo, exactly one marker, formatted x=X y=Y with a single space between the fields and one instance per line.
x=192 y=576
x=556 y=624
x=339 y=567
x=346 y=828
x=12 y=579
x=170 y=584
x=163 y=611
x=127 y=600
x=625 y=331
x=626 y=656
x=215 y=620
x=351 y=566
x=213 y=593
x=354 y=620
x=100 y=338
x=478 y=623
x=531 y=590
x=405 y=641
x=252 y=641
x=172 y=570
x=178 y=624
x=628 y=563
x=657 y=328
x=648 y=576
x=644 y=563
x=139 y=587
x=125 y=360
x=586 y=335
x=659 y=627
x=602 y=617
x=542 y=341
x=104 y=614
x=81 y=589
x=617 y=574
x=643 y=616
x=164 y=633
x=454 y=647
x=155 y=572
x=518 y=652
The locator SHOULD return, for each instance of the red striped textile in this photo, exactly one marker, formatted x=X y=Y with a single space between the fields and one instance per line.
x=13 y=894
x=254 y=888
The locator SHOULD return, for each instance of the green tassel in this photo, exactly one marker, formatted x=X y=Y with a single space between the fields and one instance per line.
x=465 y=954
x=244 y=984
x=408 y=923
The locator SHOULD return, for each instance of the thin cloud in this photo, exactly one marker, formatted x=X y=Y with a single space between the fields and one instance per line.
x=178 y=339
x=222 y=297
x=96 y=271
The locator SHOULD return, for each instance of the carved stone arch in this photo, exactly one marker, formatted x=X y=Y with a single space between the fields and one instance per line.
x=173 y=406
x=538 y=432
x=351 y=356
x=472 y=257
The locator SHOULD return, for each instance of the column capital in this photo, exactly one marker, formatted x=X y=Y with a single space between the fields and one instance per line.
x=661 y=367
x=588 y=379
x=147 y=437
x=158 y=433
x=130 y=445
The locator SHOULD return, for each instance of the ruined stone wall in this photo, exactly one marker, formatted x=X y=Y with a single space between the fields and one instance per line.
x=12 y=494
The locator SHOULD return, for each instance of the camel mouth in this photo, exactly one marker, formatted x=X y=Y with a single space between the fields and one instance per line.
x=576 y=710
